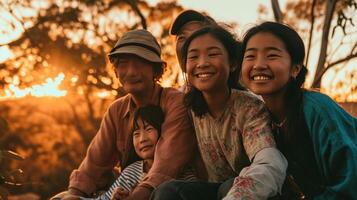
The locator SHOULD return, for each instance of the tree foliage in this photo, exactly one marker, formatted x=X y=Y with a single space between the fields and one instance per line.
x=71 y=37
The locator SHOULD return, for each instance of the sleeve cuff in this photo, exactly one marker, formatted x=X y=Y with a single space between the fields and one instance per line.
x=82 y=183
x=154 y=180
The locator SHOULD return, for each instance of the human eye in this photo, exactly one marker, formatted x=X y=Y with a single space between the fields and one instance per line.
x=136 y=133
x=273 y=55
x=180 y=38
x=249 y=56
x=120 y=62
x=149 y=128
x=214 y=53
x=192 y=56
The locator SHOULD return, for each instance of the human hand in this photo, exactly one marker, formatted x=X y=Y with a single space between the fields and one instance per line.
x=120 y=193
x=71 y=197
x=139 y=193
x=67 y=195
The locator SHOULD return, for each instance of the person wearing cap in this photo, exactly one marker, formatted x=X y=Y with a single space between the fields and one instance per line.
x=138 y=65
x=184 y=25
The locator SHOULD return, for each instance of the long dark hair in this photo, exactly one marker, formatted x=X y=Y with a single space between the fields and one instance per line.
x=194 y=98
x=293 y=98
x=151 y=114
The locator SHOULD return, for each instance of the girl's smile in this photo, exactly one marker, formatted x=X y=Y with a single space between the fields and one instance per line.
x=266 y=67
x=207 y=64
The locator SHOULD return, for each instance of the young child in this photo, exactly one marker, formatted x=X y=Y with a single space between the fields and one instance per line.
x=315 y=134
x=232 y=126
x=146 y=128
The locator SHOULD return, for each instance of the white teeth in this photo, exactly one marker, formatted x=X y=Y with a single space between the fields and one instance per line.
x=259 y=78
x=203 y=75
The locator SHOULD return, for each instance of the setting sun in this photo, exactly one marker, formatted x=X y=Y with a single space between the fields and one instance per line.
x=49 y=88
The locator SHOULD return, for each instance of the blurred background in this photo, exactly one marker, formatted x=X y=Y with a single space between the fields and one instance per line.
x=56 y=81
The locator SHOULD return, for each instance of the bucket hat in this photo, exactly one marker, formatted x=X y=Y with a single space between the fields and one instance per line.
x=139 y=42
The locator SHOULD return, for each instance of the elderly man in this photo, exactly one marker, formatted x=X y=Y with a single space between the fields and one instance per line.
x=138 y=65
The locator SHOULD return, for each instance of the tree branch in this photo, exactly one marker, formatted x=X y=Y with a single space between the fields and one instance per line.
x=349 y=57
x=90 y=106
x=135 y=7
x=312 y=11
x=277 y=11
x=330 y=8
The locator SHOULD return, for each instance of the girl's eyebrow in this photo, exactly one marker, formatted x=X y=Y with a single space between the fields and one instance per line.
x=274 y=49
x=192 y=50
x=209 y=48
x=266 y=48
x=213 y=47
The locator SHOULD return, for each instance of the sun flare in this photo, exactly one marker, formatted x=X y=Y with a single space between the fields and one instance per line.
x=49 y=88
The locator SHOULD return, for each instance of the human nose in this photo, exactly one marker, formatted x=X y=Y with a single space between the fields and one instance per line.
x=260 y=63
x=143 y=137
x=203 y=61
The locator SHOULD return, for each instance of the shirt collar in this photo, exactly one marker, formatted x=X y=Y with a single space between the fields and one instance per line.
x=130 y=107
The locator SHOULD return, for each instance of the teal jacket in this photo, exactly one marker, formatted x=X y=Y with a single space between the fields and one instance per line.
x=334 y=144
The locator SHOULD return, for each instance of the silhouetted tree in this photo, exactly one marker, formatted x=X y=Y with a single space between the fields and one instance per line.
x=71 y=37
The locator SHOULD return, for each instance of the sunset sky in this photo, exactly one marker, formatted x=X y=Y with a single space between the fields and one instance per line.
x=243 y=13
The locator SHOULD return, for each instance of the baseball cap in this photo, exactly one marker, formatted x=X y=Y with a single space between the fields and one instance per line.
x=189 y=16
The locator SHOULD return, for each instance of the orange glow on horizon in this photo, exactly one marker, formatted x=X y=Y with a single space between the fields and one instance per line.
x=47 y=89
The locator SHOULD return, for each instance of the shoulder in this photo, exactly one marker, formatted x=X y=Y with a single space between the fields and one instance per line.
x=246 y=99
x=318 y=104
x=249 y=109
x=313 y=97
x=171 y=93
x=321 y=112
x=134 y=167
x=124 y=100
x=172 y=99
x=119 y=104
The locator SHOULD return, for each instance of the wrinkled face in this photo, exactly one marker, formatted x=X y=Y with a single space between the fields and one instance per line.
x=135 y=74
x=145 y=137
x=207 y=64
x=266 y=67
x=183 y=34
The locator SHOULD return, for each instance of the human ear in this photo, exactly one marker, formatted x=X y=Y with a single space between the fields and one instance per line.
x=295 y=70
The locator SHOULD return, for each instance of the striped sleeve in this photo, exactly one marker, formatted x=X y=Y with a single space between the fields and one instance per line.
x=130 y=177
x=188 y=175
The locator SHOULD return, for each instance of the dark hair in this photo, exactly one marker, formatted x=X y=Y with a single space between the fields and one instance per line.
x=293 y=98
x=158 y=68
x=194 y=98
x=153 y=115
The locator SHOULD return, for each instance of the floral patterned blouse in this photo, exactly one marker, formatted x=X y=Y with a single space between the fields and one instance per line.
x=240 y=144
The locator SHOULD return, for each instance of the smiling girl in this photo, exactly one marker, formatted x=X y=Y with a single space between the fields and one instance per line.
x=232 y=126
x=314 y=133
